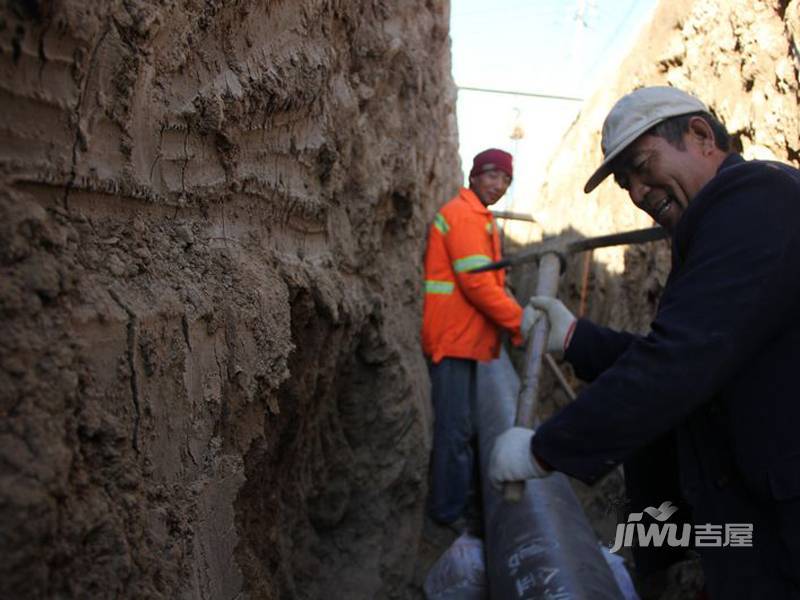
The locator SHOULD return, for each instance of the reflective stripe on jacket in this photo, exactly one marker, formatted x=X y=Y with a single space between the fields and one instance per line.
x=463 y=312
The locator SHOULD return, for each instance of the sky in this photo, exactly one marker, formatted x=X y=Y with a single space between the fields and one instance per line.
x=549 y=47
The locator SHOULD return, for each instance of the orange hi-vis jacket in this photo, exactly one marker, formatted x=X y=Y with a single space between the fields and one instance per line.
x=463 y=311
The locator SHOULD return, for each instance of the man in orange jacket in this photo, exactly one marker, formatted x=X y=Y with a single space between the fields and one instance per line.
x=462 y=319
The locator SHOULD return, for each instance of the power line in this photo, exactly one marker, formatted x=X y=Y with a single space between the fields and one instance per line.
x=513 y=93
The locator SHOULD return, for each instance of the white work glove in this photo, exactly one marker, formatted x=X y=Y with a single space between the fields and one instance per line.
x=562 y=322
x=529 y=317
x=512 y=458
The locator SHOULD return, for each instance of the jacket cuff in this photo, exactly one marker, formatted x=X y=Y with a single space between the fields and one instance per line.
x=572 y=348
x=542 y=463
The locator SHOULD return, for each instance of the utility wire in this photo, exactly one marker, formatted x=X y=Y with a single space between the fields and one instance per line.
x=513 y=93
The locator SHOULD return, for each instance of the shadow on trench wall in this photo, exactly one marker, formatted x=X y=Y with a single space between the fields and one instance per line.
x=333 y=489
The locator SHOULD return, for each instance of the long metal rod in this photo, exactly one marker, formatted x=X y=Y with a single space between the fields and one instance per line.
x=638 y=236
x=504 y=214
x=587 y=266
x=560 y=377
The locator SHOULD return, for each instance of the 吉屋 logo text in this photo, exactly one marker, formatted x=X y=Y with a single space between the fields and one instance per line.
x=660 y=533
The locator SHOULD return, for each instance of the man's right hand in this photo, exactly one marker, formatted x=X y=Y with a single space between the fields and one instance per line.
x=511 y=458
x=562 y=321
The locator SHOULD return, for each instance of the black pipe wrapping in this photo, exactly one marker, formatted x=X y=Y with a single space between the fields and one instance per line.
x=543 y=546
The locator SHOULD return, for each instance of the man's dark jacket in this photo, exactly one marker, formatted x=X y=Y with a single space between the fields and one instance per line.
x=718 y=373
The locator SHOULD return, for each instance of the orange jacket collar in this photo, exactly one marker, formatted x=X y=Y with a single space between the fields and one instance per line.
x=471 y=198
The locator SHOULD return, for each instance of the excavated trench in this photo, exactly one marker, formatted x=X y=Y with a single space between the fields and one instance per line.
x=212 y=220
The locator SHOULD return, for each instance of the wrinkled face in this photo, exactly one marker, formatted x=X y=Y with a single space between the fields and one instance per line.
x=490 y=186
x=662 y=179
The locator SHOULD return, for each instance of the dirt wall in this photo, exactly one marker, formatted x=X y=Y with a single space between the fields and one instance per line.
x=211 y=226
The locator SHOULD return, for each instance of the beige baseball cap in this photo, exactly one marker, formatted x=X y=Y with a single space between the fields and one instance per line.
x=633 y=115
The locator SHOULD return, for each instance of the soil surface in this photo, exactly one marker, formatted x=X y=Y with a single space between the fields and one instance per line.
x=212 y=218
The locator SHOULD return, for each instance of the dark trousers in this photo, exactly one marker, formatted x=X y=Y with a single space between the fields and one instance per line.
x=453 y=466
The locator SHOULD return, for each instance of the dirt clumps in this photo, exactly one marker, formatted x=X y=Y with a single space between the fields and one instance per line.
x=211 y=227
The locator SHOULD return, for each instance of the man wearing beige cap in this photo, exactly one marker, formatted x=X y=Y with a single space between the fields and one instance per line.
x=711 y=392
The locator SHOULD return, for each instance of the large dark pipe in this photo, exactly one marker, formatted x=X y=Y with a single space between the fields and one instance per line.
x=542 y=546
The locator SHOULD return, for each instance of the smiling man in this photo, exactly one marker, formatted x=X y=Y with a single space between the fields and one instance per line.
x=462 y=319
x=710 y=394
x=671 y=157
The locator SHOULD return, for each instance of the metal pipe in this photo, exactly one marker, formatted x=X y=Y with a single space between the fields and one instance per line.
x=546 y=285
x=504 y=214
x=542 y=546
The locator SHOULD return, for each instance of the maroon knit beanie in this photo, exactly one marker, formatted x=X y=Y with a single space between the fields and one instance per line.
x=492 y=159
